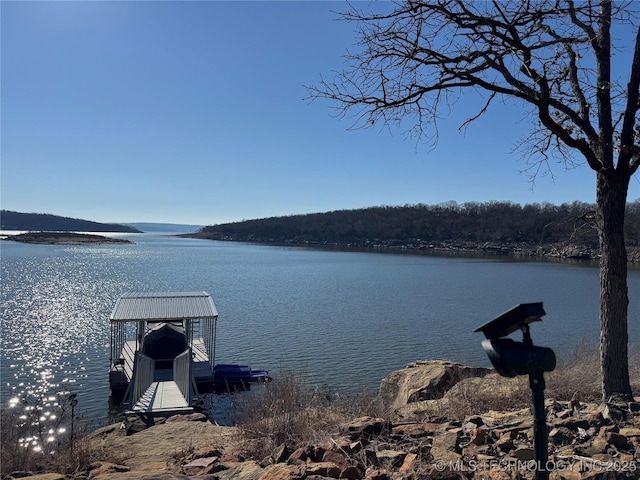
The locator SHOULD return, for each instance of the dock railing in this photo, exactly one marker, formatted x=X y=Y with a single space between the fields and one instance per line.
x=182 y=374
x=128 y=351
x=208 y=330
x=143 y=372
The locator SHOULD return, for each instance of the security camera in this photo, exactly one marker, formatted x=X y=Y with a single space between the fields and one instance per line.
x=514 y=319
x=511 y=358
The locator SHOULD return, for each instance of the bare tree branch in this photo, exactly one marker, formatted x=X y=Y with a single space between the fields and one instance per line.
x=418 y=54
x=629 y=156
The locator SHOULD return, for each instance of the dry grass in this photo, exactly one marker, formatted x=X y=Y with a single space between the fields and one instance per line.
x=13 y=455
x=17 y=456
x=577 y=375
x=288 y=410
x=476 y=396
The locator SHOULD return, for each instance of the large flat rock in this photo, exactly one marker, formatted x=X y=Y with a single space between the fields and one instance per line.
x=424 y=380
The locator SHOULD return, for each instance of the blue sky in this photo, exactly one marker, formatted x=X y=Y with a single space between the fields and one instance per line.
x=194 y=112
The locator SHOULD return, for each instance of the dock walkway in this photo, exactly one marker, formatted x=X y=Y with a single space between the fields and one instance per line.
x=162 y=397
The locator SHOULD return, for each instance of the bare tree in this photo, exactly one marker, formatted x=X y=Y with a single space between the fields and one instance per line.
x=416 y=59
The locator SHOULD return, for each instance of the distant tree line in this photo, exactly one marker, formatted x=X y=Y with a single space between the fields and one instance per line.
x=53 y=223
x=500 y=222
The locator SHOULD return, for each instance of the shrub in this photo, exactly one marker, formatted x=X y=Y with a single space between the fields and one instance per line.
x=34 y=439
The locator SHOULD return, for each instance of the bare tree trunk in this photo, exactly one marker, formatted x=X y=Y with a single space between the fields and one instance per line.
x=610 y=207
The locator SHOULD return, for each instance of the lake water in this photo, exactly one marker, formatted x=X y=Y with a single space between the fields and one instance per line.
x=342 y=319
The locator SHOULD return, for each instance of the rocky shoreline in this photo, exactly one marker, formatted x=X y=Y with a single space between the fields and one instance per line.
x=558 y=251
x=554 y=251
x=423 y=436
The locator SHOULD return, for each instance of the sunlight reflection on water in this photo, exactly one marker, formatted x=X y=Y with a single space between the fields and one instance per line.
x=54 y=336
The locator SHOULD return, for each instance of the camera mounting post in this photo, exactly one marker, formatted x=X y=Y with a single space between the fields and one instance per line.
x=511 y=358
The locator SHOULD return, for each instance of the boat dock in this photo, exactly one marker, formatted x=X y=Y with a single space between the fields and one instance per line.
x=162 y=350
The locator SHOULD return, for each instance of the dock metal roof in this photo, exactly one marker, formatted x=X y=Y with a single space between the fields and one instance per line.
x=163 y=307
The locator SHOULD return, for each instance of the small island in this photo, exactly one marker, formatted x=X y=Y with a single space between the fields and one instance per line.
x=65 y=238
